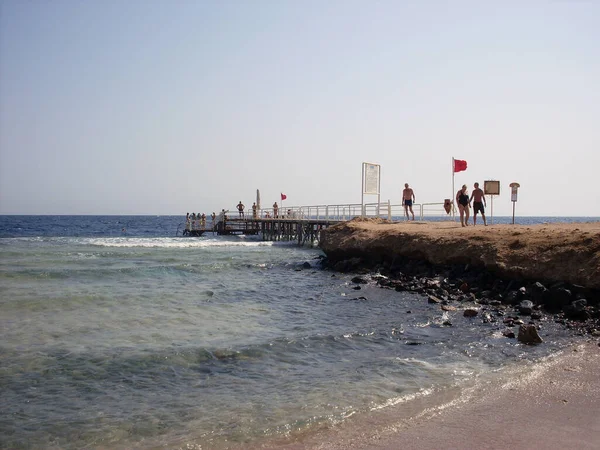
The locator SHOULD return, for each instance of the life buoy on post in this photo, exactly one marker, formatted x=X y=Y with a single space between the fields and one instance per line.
x=447 y=205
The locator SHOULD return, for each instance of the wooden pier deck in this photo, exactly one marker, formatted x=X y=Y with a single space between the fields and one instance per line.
x=303 y=231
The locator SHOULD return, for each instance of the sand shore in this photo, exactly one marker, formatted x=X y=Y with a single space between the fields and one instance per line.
x=552 y=405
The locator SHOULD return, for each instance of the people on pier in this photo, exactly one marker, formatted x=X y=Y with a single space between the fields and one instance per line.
x=462 y=198
x=240 y=208
x=254 y=211
x=203 y=221
x=478 y=198
x=188 y=225
x=275 y=209
x=408 y=197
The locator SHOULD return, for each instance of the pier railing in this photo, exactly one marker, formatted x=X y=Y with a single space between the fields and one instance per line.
x=348 y=211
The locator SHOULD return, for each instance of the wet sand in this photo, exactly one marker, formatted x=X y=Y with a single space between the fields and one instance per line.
x=553 y=405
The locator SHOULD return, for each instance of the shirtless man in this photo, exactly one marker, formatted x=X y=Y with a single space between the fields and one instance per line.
x=408 y=197
x=240 y=207
x=478 y=203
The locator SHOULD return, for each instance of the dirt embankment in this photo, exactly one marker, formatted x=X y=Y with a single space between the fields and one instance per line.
x=547 y=253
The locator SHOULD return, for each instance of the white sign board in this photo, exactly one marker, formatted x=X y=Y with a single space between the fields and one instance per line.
x=513 y=192
x=371 y=173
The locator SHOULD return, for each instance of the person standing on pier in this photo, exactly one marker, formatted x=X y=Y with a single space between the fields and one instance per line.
x=254 y=212
x=275 y=209
x=240 y=208
x=408 y=197
x=479 y=202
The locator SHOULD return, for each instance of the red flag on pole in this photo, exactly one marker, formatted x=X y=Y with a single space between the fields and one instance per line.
x=283 y=197
x=460 y=165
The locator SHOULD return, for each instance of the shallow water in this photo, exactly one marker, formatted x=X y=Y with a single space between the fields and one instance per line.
x=140 y=340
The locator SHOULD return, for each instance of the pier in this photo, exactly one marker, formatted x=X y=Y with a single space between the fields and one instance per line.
x=303 y=224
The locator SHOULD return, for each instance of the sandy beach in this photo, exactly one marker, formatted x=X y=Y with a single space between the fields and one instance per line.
x=552 y=405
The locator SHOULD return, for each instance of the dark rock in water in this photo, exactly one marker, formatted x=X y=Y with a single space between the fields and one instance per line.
x=577 y=310
x=400 y=287
x=512 y=298
x=509 y=334
x=464 y=287
x=526 y=307
x=447 y=323
x=357 y=288
x=557 y=298
x=359 y=280
x=528 y=335
x=536 y=316
x=306 y=265
x=537 y=292
x=433 y=299
x=470 y=312
x=495 y=303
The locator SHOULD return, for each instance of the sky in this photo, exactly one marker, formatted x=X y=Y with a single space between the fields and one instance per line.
x=168 y=107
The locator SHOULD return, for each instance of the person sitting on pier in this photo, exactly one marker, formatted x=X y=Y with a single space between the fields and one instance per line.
x=240 y=208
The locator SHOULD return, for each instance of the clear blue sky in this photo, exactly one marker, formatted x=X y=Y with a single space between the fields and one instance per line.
x=164 y=107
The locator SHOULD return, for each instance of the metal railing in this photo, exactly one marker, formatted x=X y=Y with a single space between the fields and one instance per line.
x=348 y=211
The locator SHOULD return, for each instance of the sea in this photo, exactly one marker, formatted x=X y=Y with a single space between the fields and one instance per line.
x=118 y=332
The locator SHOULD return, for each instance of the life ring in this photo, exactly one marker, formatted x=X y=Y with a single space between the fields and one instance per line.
x=447 y=205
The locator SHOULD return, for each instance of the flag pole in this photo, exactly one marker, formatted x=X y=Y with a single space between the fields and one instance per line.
x=452 y=197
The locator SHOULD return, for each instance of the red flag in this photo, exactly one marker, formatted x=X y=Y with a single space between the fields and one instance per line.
x=460 y=165
x=283 y=197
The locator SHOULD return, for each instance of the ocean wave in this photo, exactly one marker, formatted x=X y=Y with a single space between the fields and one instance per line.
x=172 y=242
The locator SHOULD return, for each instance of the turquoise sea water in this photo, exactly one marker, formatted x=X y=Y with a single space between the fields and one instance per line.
x=139 y=338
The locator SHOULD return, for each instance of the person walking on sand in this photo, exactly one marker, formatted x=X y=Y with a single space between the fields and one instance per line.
x=479 y=202
x=462 y=198
x=408 y=197
x=240 y=208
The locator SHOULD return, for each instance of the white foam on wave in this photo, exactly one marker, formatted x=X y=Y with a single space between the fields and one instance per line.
x=162 y=242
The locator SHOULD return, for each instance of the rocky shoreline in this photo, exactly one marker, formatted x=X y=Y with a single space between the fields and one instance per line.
x=489 y=278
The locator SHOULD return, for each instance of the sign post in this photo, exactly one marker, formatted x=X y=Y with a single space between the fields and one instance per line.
x=371 y=184
x=491 y=188
x=513 y=197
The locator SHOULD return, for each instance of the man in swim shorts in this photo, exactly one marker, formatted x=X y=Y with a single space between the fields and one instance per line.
x=408 y=197
x=478 y=203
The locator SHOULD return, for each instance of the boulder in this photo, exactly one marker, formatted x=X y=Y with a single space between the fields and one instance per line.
x=359 y=280
x=526 y=307
x=528 y=335
x=557 y=298
x=577 y=310
x=470 y=312
x=537 y=292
